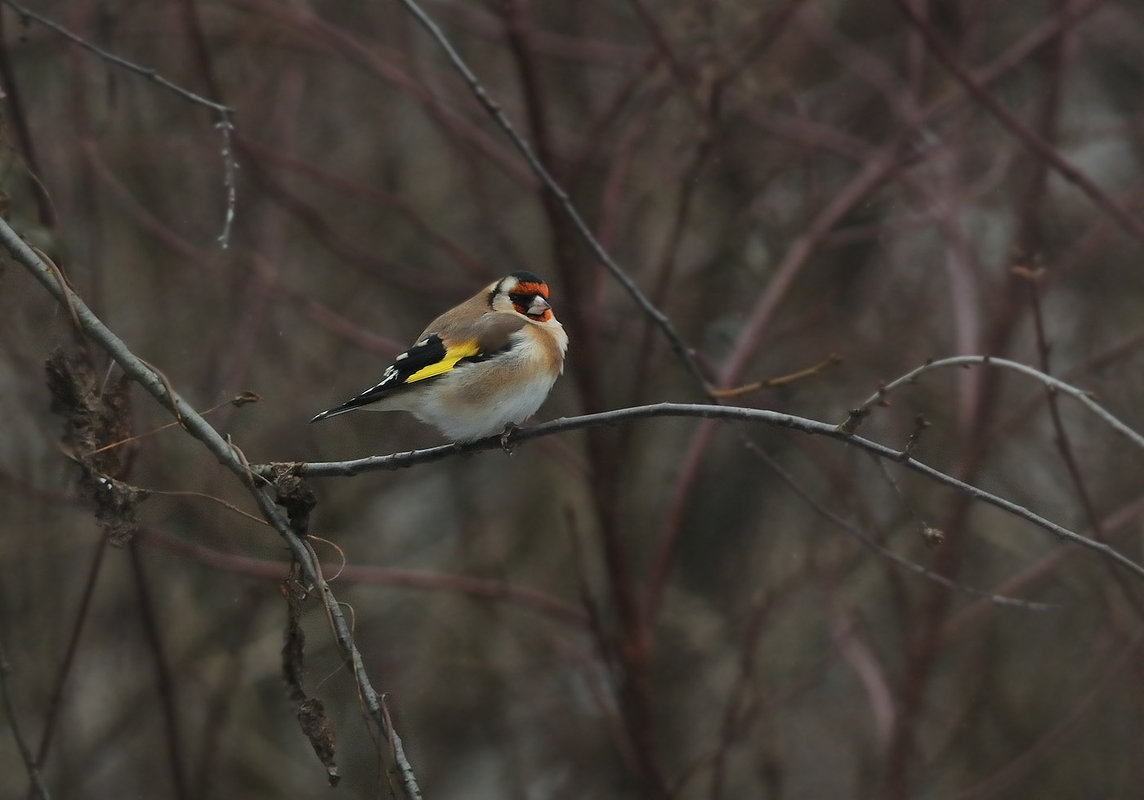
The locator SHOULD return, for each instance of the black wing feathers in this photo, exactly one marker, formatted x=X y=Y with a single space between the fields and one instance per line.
x=495 y=335
x=425 y=353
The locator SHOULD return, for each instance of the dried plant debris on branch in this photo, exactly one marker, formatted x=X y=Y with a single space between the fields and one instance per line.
x=310 y=711
x=97 y=417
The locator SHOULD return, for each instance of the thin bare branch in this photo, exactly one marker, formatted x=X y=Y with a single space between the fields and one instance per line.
x=221 y=448
x=1051 y=155
x=868 y=541
x=410 y=458
x=55 y=701
x=1055 y=384
x=223 y=113
x=27 y=14
x=681 y=349
x=164 y=681
x=10 y=713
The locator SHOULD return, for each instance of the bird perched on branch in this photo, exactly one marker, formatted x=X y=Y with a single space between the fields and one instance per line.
x=478 y=369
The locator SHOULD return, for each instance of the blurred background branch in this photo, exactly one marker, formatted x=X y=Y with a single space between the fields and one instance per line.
x=663 y=608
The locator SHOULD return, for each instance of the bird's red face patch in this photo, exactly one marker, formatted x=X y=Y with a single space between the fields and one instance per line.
x=532 y=288
x=531 y=299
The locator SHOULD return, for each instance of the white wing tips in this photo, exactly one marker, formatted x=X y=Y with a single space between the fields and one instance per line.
x=333 y=412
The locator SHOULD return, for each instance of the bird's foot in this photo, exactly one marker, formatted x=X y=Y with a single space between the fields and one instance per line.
x=505 y=438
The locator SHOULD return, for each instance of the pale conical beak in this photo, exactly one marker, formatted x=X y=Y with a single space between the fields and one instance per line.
x=538 y=306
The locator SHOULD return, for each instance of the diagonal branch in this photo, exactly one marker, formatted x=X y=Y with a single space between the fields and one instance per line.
x=222 y=112
x=683 y=351
x=227 y=455
x=38 y=788
x=27 y=14
x=1028 y=137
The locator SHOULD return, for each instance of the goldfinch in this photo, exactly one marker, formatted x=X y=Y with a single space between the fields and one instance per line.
x=479 y=368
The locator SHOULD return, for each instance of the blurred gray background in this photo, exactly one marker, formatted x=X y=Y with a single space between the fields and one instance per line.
x=668 y=608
